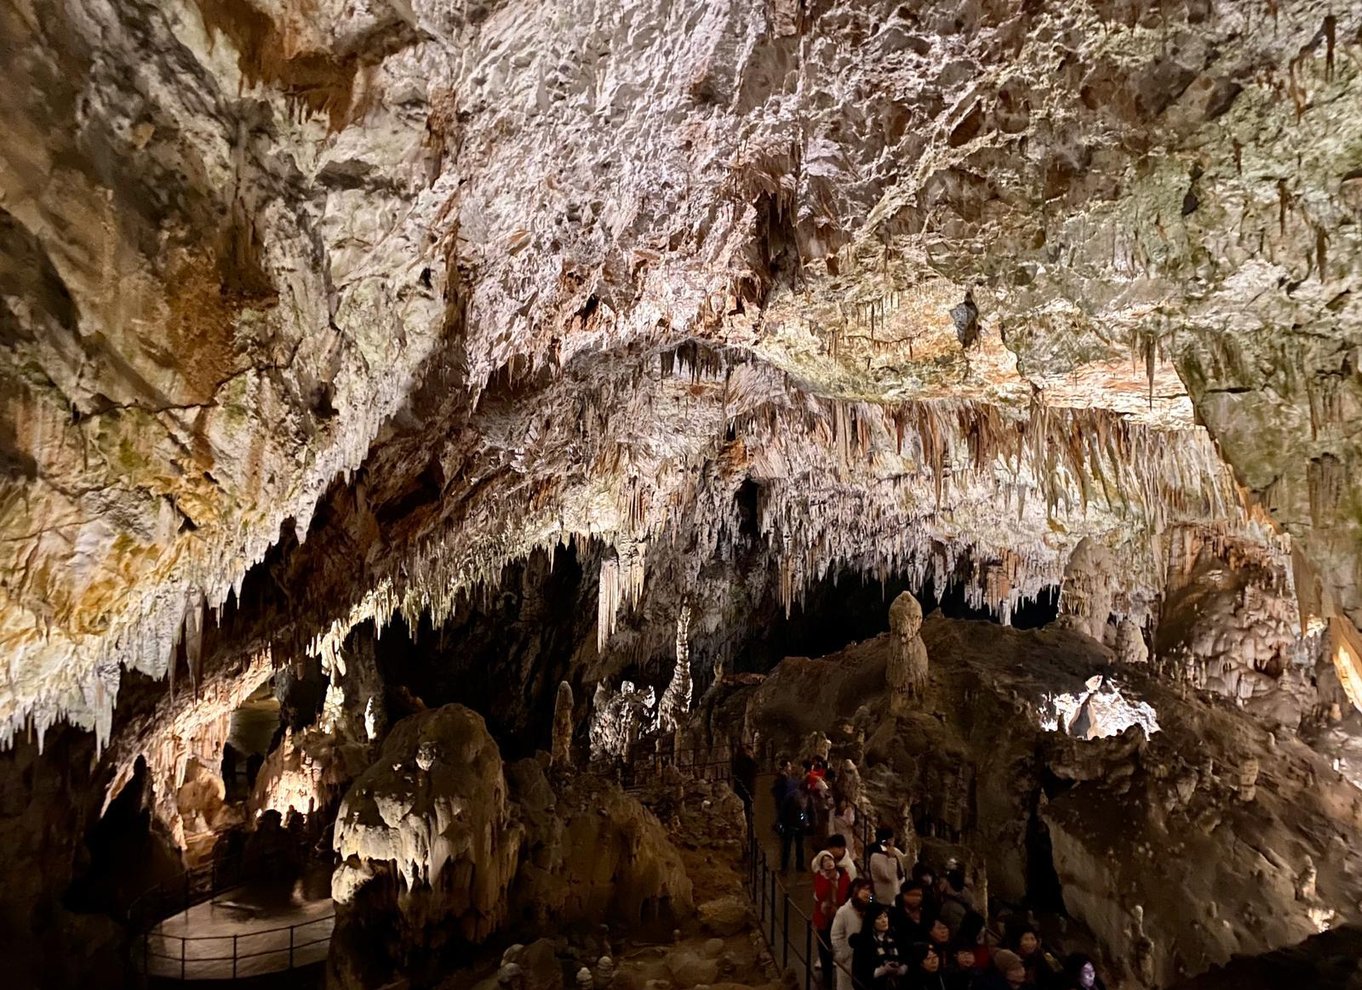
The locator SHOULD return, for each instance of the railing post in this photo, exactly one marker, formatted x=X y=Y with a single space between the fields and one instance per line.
x=785 y=933
x=773 y=907
x=290 y=946
x=181 y=959
x=808 y=955
x=234 y=957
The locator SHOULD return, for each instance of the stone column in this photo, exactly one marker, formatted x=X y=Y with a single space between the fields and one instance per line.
x=906 y=674
x=561 y=753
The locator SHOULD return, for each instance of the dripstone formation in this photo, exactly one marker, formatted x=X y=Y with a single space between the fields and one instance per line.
x=417 y=418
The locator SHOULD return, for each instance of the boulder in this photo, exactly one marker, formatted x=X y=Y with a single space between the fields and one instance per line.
x=594 y=854
x=724 y=916
x=690 y=969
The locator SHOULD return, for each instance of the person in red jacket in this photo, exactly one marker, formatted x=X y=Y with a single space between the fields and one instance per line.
x=831 y=884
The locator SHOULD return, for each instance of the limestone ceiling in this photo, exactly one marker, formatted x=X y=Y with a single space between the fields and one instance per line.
x=249 y=248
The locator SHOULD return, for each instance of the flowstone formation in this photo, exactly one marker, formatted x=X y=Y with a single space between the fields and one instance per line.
x=1237 y=632
x=443 y=847
x=1086 y=596
x=428 y=847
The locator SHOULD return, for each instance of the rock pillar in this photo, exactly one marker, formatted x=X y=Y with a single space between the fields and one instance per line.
x=561 y=753
x=906 y=673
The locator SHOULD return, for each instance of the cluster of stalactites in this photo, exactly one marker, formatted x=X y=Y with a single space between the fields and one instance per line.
x=878 y=510
x=621 y=583
x=208 y=569
x=196 y=728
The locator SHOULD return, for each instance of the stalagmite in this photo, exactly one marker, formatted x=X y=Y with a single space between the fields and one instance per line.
x=561 y=755
x=1248 y=779
x=1089 y=582
x=675 y=703
x=906 y=673
x=1130 y=645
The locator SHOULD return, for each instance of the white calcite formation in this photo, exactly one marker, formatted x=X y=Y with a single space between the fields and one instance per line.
x=1237 y=632
x=1086 y=596
x=618 y=718
x=674 y=705
x=431 y=820
x=946 y=282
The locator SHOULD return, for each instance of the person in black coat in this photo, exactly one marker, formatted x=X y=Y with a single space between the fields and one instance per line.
x=793 y=824
x=1080 y=973
x=744 y=769
x=1042 y=969
x=925 y=969
x=877 y=963
x=910 y=918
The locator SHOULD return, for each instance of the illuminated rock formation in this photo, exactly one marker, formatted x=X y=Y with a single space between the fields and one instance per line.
x=317 y=316
x=906 y=675
x=477 y=277
x=561 y=753
x=427 y=844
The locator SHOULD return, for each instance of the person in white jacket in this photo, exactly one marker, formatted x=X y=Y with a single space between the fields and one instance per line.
x=848 y=921
x=840 y=850
x=886 y=867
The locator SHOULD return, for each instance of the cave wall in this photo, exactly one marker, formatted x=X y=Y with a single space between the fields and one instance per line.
x=417 y=238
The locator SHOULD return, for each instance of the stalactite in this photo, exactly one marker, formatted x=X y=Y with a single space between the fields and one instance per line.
x=608 y=600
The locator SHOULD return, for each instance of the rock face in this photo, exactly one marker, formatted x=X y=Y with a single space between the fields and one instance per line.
x=594 y=289
x=593 y=855
x=1174 y=850
x=1237 y=632
x=428 y=848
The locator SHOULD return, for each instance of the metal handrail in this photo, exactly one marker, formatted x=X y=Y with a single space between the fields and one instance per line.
x=763 y=898
x=237 y=956
x=186 y=890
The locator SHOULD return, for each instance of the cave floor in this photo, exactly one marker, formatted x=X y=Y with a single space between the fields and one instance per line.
x=246 y=931
x=798 y=884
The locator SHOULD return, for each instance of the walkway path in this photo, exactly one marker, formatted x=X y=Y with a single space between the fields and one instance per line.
x=246 y=931
x=785 y=925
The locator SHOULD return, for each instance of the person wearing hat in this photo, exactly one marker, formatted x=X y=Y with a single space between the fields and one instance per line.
x=1008 y=973
x=831 y=886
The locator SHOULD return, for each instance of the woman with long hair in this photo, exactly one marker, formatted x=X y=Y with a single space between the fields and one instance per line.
x=886 y=867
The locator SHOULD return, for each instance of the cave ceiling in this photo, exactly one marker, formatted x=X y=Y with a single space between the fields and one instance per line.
x=428 y=286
